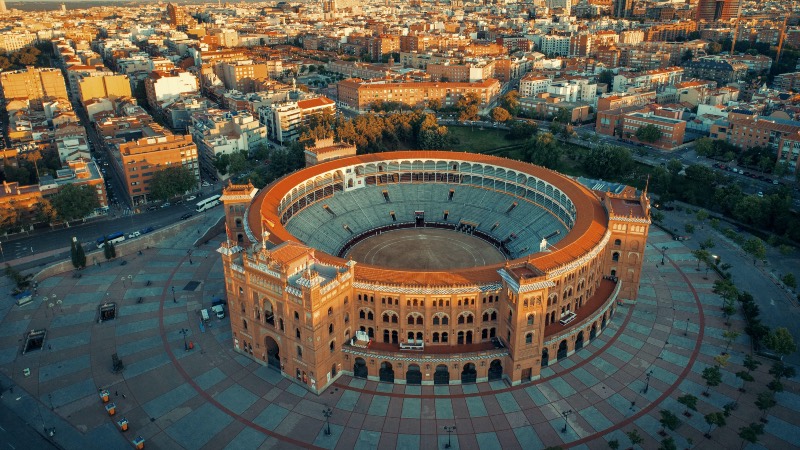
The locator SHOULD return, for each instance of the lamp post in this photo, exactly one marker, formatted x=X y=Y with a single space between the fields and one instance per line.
x=173 y=295
x=449 y=430
x=55 y=299
x=686 y=331
x=44 y=303
x=647 y=381
x=565 y=414
x=184 y=331
x=663 y=251
x=327 y=412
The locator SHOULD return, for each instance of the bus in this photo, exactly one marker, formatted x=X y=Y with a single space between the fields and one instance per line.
x=208 y=203
x=114 y=238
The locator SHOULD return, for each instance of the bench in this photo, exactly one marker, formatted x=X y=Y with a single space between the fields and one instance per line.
x=568 y=318
x=412 y=345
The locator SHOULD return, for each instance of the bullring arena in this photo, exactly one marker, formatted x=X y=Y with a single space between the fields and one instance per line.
x=426 y=268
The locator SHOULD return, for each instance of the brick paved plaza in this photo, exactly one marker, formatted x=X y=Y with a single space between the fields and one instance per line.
x=211 y=397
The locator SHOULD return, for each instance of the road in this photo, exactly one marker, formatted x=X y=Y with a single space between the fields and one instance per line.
x=15 y=434
x=45 y=240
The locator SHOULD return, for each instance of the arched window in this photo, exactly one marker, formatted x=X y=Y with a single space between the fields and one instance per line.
x=332 y=346
x=419 y=320
x=436 y=320
x=296 y=316
x=346 y=317
x=444 y=337
x=494 y=315
x=330 y=329
x=411 y=320
x=530 y=319
x=370 y=316
x=297 y=333
x=300 y=352
x=460 y=320
x=615 y=256
x=486 y=317
x=470 y=318
x=361 y=314
x=330 y=311
x=529 y=338
x=617 y=242
x=445 y=320
x=435 y=337
x=244 y=323
x=385 y=317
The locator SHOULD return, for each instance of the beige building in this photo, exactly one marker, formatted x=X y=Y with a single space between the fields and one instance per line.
x=243 y=76
x=107 y=86
x=34 y=84
x=361 y=95
x=326 y=150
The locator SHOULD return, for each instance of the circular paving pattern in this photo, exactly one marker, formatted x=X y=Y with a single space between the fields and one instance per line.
x=212 y=397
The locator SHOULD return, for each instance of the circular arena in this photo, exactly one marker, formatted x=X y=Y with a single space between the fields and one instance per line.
x=425 y=267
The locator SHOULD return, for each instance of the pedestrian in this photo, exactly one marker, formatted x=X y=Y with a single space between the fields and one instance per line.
x=190 y=261
x=123 y=395
x=116 y=393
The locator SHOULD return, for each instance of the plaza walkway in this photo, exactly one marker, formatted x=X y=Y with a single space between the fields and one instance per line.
x=211 y=397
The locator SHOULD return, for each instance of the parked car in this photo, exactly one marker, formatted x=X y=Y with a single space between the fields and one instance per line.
x=186 y=216
x=191 y=197
x=135 y=234
x=166 y=205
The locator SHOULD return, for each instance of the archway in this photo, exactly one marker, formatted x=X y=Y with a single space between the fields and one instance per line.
x=360 y=369
x=469 y=374
x=579 y=341
x=469 y=337
x=545 y=358
x=603 y=323
x=386 y=336
x=442 y=375
x=395 y=338
x=273 y=353
x=413 y=375
x=593 y=332
x=495 y=370
x=269 y=315
x=333 y=370
x=386 y=373
x=562 y=349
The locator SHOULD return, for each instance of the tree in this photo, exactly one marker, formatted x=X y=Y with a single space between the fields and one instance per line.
x=713 y=377
x=107 y=248
x=522 y=130
x=648 y=133
x=715 y=419
x=690 y=401
x=668 y=420
x=510 y=102
x=701 y=256
x=751 y=433
x=701 y=215
x=221 y=162
x=500 y=115
x=238 y=163
x=708 y=244
x=634 y=437
x=172 y=182
x=613 y=444
x=22 y=282
x=668 y=443
x=745 y=377
x=689 y=228
x=74 y=202
x=80 y=255
x=780 y=370
x=789 y=280
x=542 y=151
x=608 y=161
x=467 y=106
x=755 y=248
x=606 y=77
x=781 y=342
x=112 y=249
x=730 y=336
x=687 y=55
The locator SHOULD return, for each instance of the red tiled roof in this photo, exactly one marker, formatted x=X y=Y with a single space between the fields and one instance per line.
x=590 y=224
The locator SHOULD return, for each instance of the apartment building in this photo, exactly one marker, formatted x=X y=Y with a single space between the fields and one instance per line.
x=789 y=151
x=11 y=41
x=136 y=161
x=33 y=84
x=243 y=76
x=670 y=32
x=533 y=84
x=722 y=72
x=360 y=95
x=164 y=86
x=787 y=82
x=470 y=72
x=758 y=131
x=546 y=105
x=616 y=101
x=283 y=120
x=555 y=45
x=647 y=80
x=78 y=172
x=111 y=87
x=672 y=130
x=217 y=132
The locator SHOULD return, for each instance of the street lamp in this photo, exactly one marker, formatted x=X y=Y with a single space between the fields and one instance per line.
x=44 y=303
x=686 y=331
x=173 y=295
x=327 y=412
x=449 y=430
x=565 y=414
x=184 y=331
x=647 y=381
x=663 y=251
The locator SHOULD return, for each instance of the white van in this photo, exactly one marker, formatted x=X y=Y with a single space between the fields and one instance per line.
x=219 y=310
x=204 y=315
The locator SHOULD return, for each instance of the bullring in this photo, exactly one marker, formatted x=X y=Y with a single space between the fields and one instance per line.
x=304 y=301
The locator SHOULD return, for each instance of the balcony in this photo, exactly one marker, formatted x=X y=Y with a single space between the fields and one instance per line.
x=607 y=290
x=434 y=353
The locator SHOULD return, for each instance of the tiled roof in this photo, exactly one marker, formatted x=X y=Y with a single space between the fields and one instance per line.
x=589 y=229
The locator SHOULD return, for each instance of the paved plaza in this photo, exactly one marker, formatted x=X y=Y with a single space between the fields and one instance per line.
x=211 y=397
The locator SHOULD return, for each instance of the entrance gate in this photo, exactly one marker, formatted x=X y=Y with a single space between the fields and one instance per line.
x=386 y=373
x=273 y=353
x=360 y=369
x=469 y=374
x=413 y=375
x=442 y=375
x=495 y=370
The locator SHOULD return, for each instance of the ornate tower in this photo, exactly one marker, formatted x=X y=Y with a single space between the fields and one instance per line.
x=629 y=222
x=236 y=198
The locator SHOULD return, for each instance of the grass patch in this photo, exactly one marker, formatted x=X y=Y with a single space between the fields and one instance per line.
x=476 y=140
